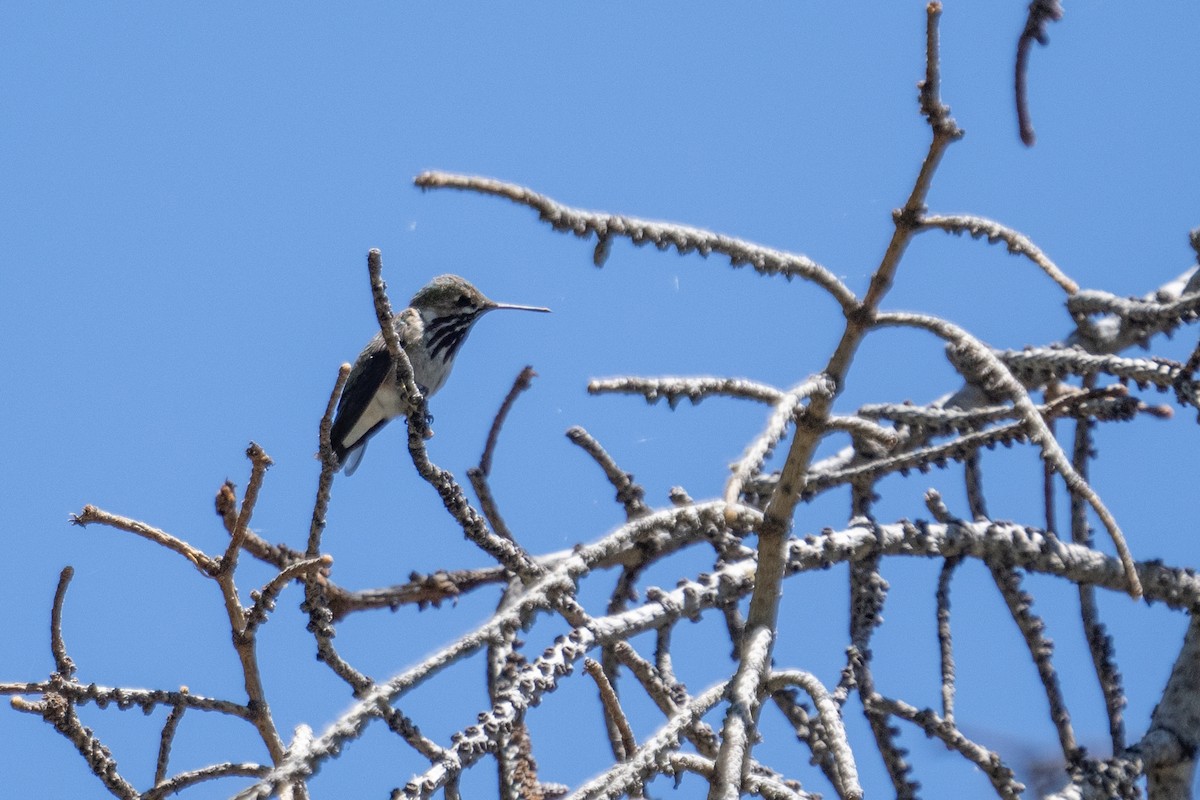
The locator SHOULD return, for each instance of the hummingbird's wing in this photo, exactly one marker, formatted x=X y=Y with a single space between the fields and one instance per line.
x=370 y=398
x=358 y=415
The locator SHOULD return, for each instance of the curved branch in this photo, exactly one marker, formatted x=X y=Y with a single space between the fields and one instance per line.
x=663 y=235
x=1017 y=242
x=979 y=364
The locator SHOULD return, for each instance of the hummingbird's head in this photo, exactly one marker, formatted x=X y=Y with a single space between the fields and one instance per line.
x=450 y=296
x=449 y=306
x=454 y=296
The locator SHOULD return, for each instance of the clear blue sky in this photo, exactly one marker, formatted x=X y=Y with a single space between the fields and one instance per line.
x=189 y=193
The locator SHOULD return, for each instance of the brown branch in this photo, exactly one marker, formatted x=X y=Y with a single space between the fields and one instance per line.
x=58 y=646
x=423 y=590
x=319 y=593
x=329 y=466
x=739 y=729
x=260 y=462
x=57 y=709
x=199 y=559
x=264 y=598
x=478 y=476
x=1041 y=12
x=165 y=740
x=522 y=383
x=629 y=494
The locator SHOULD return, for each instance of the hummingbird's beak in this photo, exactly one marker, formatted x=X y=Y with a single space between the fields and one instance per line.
x=519 y=308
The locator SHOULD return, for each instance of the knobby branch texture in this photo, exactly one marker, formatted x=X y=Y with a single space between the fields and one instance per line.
x=747 y=535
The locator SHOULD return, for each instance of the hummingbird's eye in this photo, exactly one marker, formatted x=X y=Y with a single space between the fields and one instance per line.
x=463 y=301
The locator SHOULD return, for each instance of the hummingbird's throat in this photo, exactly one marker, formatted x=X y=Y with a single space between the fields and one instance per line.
x=444 y=335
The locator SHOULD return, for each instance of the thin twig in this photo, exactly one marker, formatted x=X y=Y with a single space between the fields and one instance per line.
x=834 y=734
x=423 y=590
x=522 y=383
x=144 y=699
x=945 y=639
x=329 y=466
x=868 y=592
x=612 y=709
x=317 y=589
x=1017 y=242
x=264 y=598
x=1032 y=629
x=59 y=711
x=973 y=480
x=63 y=665
x=199 y=559
x=989 y=762
x=674 y=389
x=786 y=411
x=1100 y=644
x=620 y=778
x=260 y=462
x=1040 y=13
x=478 y=476
x=629 y=493
x=183 y=780
x=165 y=739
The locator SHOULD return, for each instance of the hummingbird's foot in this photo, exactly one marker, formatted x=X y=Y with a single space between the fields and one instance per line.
x=428 y=425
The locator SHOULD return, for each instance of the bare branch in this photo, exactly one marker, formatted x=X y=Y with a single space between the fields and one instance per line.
x=329 y=466
x=1100 y=644
x=183 y=780
x=988 y=762
x=612 y=709
x=63 y=664
x=945 y=639
x=620 y=778
x=629 y=494
x=847 y=784
x=522 y=383
x=663 y=235
x=1040 y=13
x=980 y=365
x=787 y=409
x=1017 y=242
x=200 y=560
x=694 y=389
x=1032 y=629
x=59 y=711
x=259 y=463
x=165 y=741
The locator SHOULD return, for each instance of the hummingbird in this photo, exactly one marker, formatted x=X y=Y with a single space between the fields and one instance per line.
x=431 y=330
